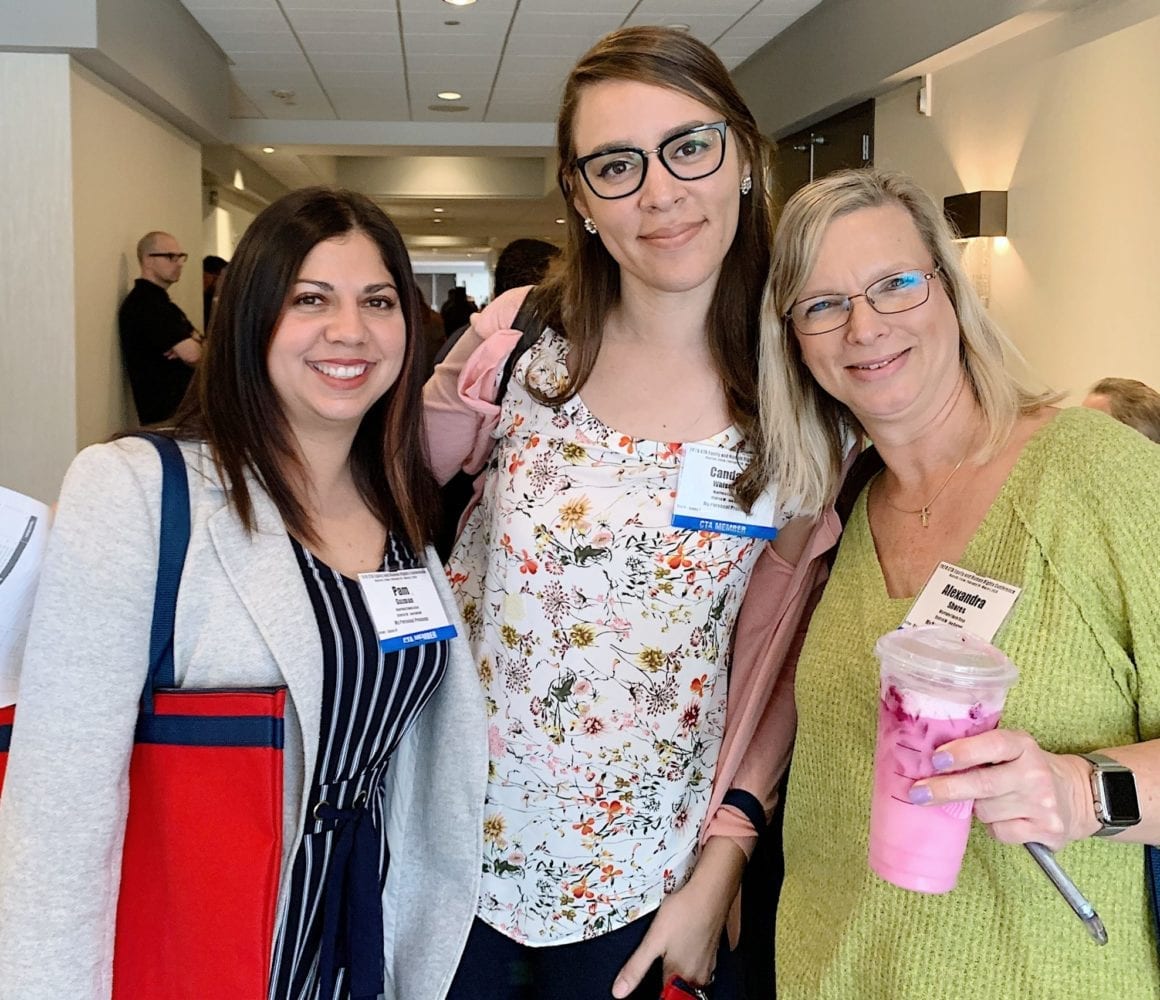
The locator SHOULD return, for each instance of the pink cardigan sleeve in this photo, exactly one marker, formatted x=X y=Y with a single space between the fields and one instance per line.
x=761 y=715
x=459 y=409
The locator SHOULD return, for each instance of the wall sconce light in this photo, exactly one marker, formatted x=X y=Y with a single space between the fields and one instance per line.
x=977 y=213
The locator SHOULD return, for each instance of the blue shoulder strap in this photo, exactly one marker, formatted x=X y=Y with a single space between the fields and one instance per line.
x=1152 y=879
x=173 y=543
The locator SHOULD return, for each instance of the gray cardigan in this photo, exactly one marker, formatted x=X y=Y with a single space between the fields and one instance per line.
x=243 y=619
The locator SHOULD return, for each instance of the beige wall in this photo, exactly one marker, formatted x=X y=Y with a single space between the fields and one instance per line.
x=1065 y=118
x=37 y=415
x=131 y=173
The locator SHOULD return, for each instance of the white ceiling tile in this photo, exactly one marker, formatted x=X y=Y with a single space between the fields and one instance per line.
x=621 y=7
x=472 y=21
x=336 y=5
x=350 y=43
x=269 y=60
x=568 y=47
x=451 y=12
x=462 y=66
x=684 y=9
x=705 y=27
x=370 y=22
x=454 y=45
x=257 y=41
x=269 y=79
x=369 y=62
x=588 y=25
x=361 y=81
x=232 y=21
x=196 y=6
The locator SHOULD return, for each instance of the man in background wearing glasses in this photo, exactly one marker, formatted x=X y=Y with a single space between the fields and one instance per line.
x=158 y=342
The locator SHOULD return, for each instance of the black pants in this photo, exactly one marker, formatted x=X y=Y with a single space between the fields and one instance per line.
x=494 y=967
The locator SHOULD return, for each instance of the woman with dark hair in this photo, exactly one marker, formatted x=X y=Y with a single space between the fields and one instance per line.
x=602 y=571
x=305 y=469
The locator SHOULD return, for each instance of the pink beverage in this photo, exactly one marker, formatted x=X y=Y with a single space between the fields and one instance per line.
x=938 y=684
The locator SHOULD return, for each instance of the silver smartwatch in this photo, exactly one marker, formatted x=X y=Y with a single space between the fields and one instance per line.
x=1113 y=793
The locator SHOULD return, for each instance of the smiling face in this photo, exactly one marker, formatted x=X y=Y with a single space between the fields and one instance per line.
x=898 y=369
x=340 y=341
x=671 y=235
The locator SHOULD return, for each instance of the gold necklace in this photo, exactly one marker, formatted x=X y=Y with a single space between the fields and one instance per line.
x=924 y=510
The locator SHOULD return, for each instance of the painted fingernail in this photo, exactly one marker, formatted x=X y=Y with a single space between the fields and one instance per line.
x=920 y=795
x=942 y=760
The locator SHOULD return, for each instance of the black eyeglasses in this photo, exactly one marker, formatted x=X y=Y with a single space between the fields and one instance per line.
x=173 y=258
x=895 y=293
x=688 y=156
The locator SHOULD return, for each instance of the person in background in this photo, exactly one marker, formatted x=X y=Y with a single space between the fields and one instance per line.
x=456 y=309
x=632 y=762
x=872 y=324
x=522 y=262
x=434 y=337
x=212 y=268
x=305 y=467
x=1128 y=401
x=159 y=345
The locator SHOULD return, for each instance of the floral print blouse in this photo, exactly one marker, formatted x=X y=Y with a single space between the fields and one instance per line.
x=601 y=634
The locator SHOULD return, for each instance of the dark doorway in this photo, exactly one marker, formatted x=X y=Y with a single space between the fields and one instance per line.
x=842 y=140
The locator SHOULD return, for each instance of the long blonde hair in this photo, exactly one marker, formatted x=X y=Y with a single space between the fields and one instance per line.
x=804 y=428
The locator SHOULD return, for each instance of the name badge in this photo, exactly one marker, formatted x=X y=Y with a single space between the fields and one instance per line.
x=405 y=608
x=705 y=503
x=956 y=596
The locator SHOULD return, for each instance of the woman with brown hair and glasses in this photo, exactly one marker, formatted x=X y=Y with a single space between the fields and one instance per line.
x=602 y=572
x=305 y=473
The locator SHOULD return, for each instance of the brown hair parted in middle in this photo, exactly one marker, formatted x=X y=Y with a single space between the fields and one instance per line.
x=584 y=284
x=233 y=406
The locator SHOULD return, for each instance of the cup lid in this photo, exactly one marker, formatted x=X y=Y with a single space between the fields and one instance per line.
x=947 y=657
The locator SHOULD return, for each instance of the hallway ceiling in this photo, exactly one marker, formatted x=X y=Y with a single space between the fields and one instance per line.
x=339 y=87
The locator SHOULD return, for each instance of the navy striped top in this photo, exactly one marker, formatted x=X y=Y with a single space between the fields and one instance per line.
x=329 y=943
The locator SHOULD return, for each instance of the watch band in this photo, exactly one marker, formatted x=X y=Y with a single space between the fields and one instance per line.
x=1103 y=760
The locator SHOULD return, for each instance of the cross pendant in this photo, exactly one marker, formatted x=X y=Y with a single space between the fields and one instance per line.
x=925 y=512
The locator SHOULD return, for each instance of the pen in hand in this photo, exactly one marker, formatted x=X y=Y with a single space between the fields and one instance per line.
x=1067 y=889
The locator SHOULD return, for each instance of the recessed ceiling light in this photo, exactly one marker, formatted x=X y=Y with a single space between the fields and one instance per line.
x=267 y=149
x=449 y=95
x=451 y=24
x=679 y=27
x=438 y=210
x=460 y=3
x=559 y=222
x=436 y=220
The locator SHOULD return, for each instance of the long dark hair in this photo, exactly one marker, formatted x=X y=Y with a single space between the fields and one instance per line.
x=585 y=283
x=233 y=406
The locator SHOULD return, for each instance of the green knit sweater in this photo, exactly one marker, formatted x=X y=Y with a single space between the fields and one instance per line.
x=1077 y=526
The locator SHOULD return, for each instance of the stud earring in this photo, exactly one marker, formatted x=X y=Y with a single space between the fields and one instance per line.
x=746 y=185
x=590 y=226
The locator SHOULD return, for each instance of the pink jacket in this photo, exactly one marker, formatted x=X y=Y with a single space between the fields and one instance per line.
x=460 y=413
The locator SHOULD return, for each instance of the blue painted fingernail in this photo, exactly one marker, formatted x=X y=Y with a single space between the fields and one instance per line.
x=920 y=795
x=942 y=760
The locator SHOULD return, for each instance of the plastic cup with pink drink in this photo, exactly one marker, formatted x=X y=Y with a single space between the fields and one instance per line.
x=938 y=684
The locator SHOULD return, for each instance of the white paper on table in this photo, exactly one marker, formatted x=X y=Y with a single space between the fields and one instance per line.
x=23 y=535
